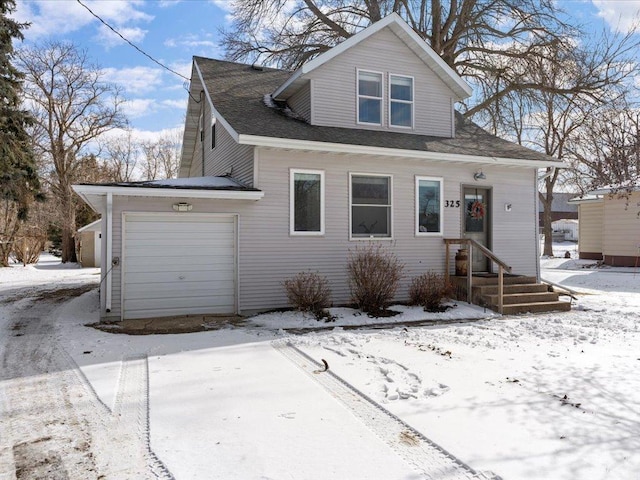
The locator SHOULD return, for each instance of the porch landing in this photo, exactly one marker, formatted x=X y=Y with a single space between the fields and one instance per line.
x=522 y=294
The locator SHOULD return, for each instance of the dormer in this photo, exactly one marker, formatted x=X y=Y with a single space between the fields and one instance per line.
x=383 y=78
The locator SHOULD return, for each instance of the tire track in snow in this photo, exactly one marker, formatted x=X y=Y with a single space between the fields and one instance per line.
x=52 y=424
x=131 y=411
x=415 y=448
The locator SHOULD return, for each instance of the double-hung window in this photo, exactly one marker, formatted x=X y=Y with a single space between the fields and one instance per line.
x=369 y=98
x=400 y=101
x=307 y=202
x=370 y=206
x=428 y=206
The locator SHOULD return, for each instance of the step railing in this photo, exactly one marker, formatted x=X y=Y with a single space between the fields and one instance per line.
x=471 y=244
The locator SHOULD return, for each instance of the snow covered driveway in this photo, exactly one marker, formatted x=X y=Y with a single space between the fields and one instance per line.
x=52 y=425
x=552 y=396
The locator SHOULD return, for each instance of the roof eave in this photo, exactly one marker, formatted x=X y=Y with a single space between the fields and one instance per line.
x=292 y=144
x=86 y=190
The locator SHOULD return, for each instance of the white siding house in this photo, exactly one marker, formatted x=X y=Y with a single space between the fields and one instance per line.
x=369 y=128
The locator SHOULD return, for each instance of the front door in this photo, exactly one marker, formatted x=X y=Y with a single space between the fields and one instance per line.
x=476 y=223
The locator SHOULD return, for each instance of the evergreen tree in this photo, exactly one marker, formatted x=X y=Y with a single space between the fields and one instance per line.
x=19 y=183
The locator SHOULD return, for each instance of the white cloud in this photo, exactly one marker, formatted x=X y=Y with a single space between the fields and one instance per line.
x=107 y=38
x=50 y=18
x=183 y=68
x=196 y=44
x=620 y=15
x=226 y=5
x=179 y=104
x=139 y=107
x=134 y=79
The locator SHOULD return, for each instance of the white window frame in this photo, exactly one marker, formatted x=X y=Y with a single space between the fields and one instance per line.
x=417 y=207
x=390 y=206
x=292 y=220
x=412 y=102
x=358 y=96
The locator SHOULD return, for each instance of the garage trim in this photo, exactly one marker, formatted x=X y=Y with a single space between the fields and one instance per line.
x=236 y=223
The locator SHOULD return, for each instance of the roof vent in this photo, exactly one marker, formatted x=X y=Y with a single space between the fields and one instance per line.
x=255 y=66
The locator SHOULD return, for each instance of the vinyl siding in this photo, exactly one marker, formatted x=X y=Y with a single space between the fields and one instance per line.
x=268 y=254
x=300 y=102
x=621 y=226
x=228 y=157
x=335 y=96
x=590 y=227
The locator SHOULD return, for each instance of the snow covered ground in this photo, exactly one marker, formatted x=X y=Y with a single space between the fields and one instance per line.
x=529 y=397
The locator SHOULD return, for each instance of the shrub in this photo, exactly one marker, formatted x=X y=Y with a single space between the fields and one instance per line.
x=429 y=290
x=374 y=275
x=26 y=250
x=309 y=292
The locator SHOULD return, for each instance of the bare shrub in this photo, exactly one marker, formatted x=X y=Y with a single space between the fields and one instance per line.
x=429 y=290
x=374 y=275
x=26 y=250
x=309 y=292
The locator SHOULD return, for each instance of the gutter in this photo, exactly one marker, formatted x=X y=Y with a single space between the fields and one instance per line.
x=308 y=145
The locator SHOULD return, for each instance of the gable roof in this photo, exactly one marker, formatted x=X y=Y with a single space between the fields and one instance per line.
x=406 y=34
x=237 y=96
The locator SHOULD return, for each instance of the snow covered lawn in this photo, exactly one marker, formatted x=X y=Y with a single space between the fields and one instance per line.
x=528 y=397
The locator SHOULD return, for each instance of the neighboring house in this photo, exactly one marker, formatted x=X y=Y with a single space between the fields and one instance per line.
x=610 y=227
x=90 y=244
x=290 y=171
x=565 y=229
x=561 y=207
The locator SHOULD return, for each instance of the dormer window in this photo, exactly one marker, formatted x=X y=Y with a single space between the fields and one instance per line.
x=369 y=98
x=400 y=101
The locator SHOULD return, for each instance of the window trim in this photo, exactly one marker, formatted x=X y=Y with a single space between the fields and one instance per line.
x=412 y=102
x=381 y=98
x=390 y=206
x=418 y=233
x=292 y=220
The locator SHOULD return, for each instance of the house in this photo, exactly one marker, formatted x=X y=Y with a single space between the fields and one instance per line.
x=283 y=172
x=561 y=208
x=90 y=244
x=610 y=227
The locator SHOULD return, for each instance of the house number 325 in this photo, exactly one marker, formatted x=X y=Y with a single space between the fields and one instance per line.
x=452 y=203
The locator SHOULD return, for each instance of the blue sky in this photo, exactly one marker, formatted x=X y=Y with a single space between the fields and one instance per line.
x=172 y=31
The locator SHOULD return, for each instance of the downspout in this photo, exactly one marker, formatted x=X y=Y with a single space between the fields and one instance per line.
x=537 y=215
x=202 y=122
x=109 y=249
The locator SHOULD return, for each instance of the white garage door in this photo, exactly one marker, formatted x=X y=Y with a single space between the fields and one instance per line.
x=179 y=264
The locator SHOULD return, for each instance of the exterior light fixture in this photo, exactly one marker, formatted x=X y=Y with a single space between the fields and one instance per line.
x=182 y=207
x=479 y=175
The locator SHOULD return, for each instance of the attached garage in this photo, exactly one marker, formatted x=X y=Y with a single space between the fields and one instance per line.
x=177 y=264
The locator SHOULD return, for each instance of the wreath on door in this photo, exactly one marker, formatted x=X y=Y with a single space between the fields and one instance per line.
x=477 y=210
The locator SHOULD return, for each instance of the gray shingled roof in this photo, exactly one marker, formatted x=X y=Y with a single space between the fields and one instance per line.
x=237 y=92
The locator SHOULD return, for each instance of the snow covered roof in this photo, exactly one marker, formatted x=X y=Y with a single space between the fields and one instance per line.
x=92 y=227
x=199 y=183
x=95 y=194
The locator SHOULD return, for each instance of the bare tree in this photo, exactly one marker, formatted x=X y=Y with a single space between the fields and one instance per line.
x=578 y=84
x=120 y=155
x=607 y=152
x=491 y=43
x=72 y=106
x=161 y=157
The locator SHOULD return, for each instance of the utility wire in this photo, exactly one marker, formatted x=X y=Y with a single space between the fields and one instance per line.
x=130 y=43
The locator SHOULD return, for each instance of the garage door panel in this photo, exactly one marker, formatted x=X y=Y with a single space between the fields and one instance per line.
x=175 y=264
x=169 y=312
x=140 y=291
x=173 y=234
x=174 y=277
x=173 y=303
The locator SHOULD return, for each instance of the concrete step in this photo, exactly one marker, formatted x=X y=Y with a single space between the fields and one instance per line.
x=516 y=298
x=536 y=307
x=513 y=288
